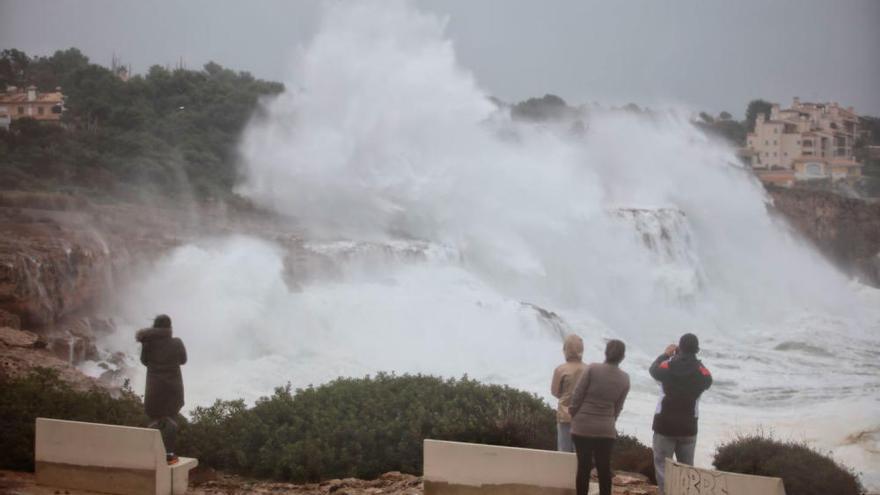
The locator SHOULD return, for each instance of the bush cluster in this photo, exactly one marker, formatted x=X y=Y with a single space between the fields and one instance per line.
x=362 y=427
x=350 y=427
x=803 y=470
x=43 y=394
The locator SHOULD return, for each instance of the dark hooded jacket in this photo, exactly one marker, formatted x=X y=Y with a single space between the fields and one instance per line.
x=683 y=378
x=162 y=354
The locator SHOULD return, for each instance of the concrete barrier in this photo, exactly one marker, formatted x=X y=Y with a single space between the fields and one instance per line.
x=682 y=479
x=106 y=458
x=455 y=468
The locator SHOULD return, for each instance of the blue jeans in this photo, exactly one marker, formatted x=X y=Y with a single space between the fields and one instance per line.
x=682 y=447
x=563 y=437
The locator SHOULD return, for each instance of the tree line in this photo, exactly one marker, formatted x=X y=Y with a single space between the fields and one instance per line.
x=175 y=131
x=171 y=130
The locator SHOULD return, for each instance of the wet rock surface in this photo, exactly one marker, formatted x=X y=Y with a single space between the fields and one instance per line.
x=11 y=337
x=55 y=261
x=61 y=256
x=10 y=320
x=389 y=483
x=846 y=230
x=208 y=482
x=22 y=351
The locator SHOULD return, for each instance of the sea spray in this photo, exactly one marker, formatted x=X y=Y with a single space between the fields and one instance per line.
x=388 y=138
x=638 y=228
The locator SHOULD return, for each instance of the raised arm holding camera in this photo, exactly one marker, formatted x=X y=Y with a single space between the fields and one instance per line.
x=683 y=379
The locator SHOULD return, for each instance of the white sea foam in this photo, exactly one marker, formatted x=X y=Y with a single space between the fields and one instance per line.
x=442 y=217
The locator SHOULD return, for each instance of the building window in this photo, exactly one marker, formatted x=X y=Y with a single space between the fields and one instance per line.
x=774 y=153
x=766 y=154
x=775 y=131
x=21 y=110
x=785 y=153
x=766 y=142
x=774 y=142
x=40 y=110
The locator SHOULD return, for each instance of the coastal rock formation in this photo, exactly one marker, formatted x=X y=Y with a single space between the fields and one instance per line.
x=393 y=483
x=62 y=255
x=389 y=483
x=10 y=320
x=22 y=351
x=846 y=230
x=59 y=254
x=45 y=271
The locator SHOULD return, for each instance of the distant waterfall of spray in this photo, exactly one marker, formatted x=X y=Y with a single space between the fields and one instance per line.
x=440 y=236
x=389 y=138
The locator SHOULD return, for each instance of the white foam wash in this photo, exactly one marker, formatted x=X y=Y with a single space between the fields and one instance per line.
x=430 y=218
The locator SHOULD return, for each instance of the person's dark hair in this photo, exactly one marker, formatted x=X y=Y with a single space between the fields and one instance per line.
x=162 y=321
x=689 y=343
x=614 y=351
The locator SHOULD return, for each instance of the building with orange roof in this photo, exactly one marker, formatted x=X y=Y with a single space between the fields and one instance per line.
x=16 y=104
x=812 y=140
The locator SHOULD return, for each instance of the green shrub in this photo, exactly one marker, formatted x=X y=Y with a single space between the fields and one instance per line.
x=803 y=470
x=43 y=394
x=348 y=427
x=631 y=455
x=362 y=427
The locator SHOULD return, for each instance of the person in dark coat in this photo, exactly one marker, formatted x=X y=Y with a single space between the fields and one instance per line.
x=163 y=355
x=683 y=379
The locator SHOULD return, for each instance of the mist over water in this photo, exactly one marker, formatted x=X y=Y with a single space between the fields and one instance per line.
x=438 y=234
x=389 y=138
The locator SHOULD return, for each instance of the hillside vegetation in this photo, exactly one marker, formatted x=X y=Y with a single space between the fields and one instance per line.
x=169 y=131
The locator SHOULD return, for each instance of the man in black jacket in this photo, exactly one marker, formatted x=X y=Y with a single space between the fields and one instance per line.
x=682 y=378
x=163 y=355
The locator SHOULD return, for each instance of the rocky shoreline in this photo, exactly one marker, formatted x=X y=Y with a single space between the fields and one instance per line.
x=208 y=482
x=845 y=230
x=62 y=255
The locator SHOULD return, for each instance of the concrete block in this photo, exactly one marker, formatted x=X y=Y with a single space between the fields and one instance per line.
x=455 y=468
x=106 y=458
x=682 y=479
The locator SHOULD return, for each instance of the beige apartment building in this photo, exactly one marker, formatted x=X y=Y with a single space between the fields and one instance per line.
x=16 y=104
x=806 y=141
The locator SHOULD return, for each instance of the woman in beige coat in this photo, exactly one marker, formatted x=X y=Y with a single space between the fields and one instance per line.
x=565 y=377
x=595 y=405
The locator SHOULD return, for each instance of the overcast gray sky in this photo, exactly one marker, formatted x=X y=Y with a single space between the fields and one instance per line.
x=709 y=54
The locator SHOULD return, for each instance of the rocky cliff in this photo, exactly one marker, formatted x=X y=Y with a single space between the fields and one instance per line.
x=61 y=255
x=205 y=481
x=845 y=230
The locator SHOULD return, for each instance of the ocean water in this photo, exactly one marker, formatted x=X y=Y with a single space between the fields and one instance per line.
x=442 y=237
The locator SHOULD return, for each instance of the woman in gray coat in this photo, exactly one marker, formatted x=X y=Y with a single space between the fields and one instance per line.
x=597 y=401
